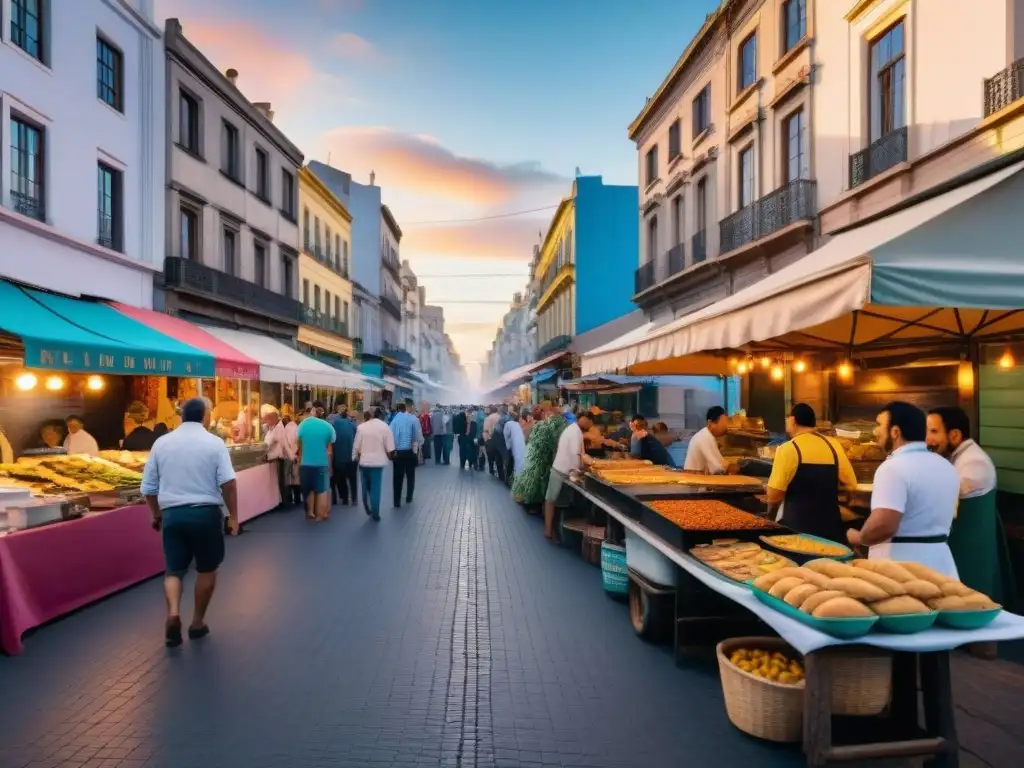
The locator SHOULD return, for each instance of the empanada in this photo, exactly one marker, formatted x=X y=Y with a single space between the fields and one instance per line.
x=782 y=586
x=892 y=587
x=842 y=608
x=903 y=605
x=894 y=571
x=797 y=595
x=922 y=590
x=956 y=588
x=830 y=568
x=948 y=603
x=859 y=589
x=768 y=580
x=813 y=577
x=812 y=602
x=926 y=573
x=976 y=601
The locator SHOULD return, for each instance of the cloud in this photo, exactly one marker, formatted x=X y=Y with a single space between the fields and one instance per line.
x=421 y=164
x=349 y=45
x=510 y=239
x=484 y=328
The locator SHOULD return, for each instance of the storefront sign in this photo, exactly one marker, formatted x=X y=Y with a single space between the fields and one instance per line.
x=119 y=361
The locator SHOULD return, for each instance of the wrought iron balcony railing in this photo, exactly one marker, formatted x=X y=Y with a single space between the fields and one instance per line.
x=645 y=276
x=1004 y=88
x=699 y=246
x=198 y=278
x=27 y=205
x=391 y=306
x=676 y=259
x=878 y=157
x=788 y=204
x=320 y=319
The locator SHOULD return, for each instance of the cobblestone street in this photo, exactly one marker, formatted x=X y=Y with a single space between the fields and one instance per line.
x=449 y=634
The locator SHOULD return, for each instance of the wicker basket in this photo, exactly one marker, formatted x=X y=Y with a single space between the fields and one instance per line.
x=861 y=681
x=760 y=707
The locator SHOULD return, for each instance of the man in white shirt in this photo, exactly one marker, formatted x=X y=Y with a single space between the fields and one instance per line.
x=703 y=454
x=914 y=497
x=187 y=478
x=276 y=440
x=571 y=454
x=373 y=449
x=79 y=441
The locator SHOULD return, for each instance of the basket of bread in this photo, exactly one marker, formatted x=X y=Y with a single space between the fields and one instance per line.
x=849 y=600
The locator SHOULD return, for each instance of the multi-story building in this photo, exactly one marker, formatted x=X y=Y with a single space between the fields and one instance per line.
x=591 y=240
x=434 y=361
x=82 y=108
x=232 y=200
x=414 y=296
x=513 y=345
x=326 y=289
x=391 y=290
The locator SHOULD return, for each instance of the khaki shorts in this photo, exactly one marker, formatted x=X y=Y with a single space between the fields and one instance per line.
x=555 y=483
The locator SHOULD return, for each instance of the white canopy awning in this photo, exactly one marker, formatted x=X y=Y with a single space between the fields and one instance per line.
x=960 y=248
x=281 y=364
x=522 y=372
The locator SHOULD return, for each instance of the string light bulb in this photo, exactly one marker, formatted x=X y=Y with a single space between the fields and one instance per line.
x=1006 y=362
x=777 y=372
x=741 y=368
x=94 y=383
x=54 y=383
x=766 y=361
x=799 y=366
x=733 y=363
x=845 y=370
x=26 y=381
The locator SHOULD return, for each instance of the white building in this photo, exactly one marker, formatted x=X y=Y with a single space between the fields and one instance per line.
x=390 y=287
x=413 y=298
x=82 y=108
x=434 y=348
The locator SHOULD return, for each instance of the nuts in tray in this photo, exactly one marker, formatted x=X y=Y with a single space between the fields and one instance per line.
x=709 y=515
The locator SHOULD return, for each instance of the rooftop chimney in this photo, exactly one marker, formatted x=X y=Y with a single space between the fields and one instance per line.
x=264 y=109
x=232 y=76
x=373 y=177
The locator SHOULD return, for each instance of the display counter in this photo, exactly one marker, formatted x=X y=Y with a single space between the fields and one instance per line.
x=48 y=571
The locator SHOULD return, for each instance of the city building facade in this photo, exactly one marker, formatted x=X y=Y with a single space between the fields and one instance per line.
x=326 y=290
x=232 y=201
x=391 y=291
x=83 y=110
x=414 y=296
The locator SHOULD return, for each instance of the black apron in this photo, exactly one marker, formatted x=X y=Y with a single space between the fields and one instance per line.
x=812 y=503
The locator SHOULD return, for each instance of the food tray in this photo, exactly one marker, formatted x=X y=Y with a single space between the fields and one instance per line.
x=907 y=624
x=725 y=577
x=804 y=557
x=968 y=619
x=847 y=629
x=686 y=539
x=629 y=499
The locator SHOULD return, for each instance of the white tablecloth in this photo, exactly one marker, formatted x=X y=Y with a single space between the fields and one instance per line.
x=1007 y=626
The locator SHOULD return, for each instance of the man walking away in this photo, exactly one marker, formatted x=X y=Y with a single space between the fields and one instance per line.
x=187 y=479
x=373 y=447
x=344 y=481
x=437 y=430
x=449 y=435
x=316 y=438
x=405 y=429
x=489 y=424
x=277 y=451
x=459 y=427
x=425 y=427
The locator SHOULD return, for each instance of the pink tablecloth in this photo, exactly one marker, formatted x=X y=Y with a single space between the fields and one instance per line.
x=50 y=571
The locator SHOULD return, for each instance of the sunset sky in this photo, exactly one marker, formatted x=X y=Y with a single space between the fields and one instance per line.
x=466 y=109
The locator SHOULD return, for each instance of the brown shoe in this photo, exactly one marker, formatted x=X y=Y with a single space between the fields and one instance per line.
x=172 y=632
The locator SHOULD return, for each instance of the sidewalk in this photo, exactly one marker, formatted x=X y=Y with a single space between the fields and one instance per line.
x=449 y=634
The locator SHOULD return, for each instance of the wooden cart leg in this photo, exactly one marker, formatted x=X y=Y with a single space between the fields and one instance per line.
x=903 y=709
x=939 y=714
x=817 y=708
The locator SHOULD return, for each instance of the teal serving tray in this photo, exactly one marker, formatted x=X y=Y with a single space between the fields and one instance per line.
x=847 y=629
x=907 y=624
x=968 y=619
x=804 y=556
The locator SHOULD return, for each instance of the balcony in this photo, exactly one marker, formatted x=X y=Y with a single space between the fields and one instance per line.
x=392 y=306
x=557 y=343
x=645 y=277
x=402 y=356
x=320 y=319
x=27 y=205
x=699 y=246
x=390 y=261
x=328 y=259
x=1005 y=88
x=878 y=157
x=191 y=276
x=787 y=205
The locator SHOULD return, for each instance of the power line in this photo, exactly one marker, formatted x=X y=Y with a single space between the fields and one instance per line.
x=460 y=277
x=479 y=218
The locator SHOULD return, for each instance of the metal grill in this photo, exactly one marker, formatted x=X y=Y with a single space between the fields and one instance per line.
x=644 y=277
x=676 y=258
x=1004 y=88
x=182 y=273
x=786 y=205
x=878 y=157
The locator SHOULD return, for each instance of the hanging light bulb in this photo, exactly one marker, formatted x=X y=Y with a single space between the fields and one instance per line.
x=741 y=368
x=1006 y=362
x=733 y=363
x=765 y=361
x=26 y=381
x=777 y=372
x=799 y=366
x=94 y=383
x=845 y=370
x=54 y=383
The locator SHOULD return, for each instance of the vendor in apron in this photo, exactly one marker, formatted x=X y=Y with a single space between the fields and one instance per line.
x=914 y=497
x=807 y=474
x=977 y=539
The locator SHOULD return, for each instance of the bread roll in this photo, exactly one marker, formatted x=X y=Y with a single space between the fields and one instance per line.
x=812 y=602
x=859 y=589
x=819 y=580
x=842 y=608
x=894 y=571
x=926 y=573
x=769 y=580
x=904 y=605
x=956 y=588
x=783 y=586
x=892 y=587
x=830 y=568
x=976 y=601
x=797 y=595
x=922 y=590
x=948 y=603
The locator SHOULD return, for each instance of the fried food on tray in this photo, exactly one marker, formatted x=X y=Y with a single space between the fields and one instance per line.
x=709 y=515
x=894 y=571
x=807 y=546
x=831 y=568
x=616 y=464
x=842 y=608
x=797 y=595
x=740 y=561
x=812 y=602
x=904 y=605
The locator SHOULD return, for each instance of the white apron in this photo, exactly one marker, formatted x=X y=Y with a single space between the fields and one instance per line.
x=938 y=557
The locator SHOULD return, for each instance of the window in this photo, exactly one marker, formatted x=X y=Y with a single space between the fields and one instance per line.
x=652 y=165
x=344 y=257
x=795 y=151
x=259 y=263
x=746 y=66
x=328 y=241
x=794 y=23
x=27 y=26
x=327 y=303
x=745 y=168
x=887 y=106
x=188 y=122
x=229 y=148
x=337 y=250
x=652 y=238
x=287 y=194
x=262 y=175
x=305 y=228
x=316 y=235
x=188 y=232
x=316 y=297
x=702 y=205
x=677 y=220
x=702 y=111
x=110 y=208
x=305 y=292
x=109 y=74
x=230 y=243
x=674 y=142
x=286 y=275
x=344 y=310
x=337 y=308
x=28 y=169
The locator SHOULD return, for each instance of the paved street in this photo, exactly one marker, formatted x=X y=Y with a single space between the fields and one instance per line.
x=450 y=634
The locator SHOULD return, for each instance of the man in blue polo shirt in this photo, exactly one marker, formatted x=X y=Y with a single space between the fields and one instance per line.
x=316 y=438
x=408 y=437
